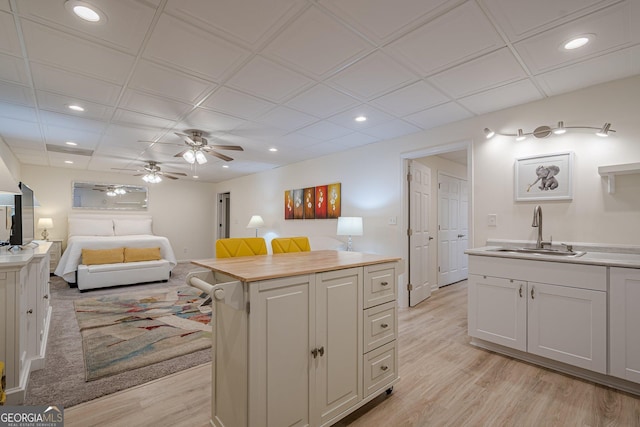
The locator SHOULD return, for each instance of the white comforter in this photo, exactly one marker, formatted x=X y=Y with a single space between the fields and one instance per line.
x=72 y=256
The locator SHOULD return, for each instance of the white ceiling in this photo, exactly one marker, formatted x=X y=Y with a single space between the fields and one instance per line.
x=289 y=74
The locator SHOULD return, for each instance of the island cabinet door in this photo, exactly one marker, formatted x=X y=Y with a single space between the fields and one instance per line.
x=624 y=320
x=498 y=310
x=568 y=325
x=279 y=352
x=339 y=343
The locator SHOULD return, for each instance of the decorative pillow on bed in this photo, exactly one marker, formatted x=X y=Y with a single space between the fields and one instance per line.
x=90 y=227
x=141 y=254
x=128 y=227
x=102 y=256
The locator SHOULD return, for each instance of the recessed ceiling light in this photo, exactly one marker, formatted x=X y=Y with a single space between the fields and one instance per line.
x=195 y=177
x=273 y=149
x=225 y=166
x=71 y=143
x=361 y=119
x=69 y=162
x=75 y=107
x=576 y=42
x=85 y=11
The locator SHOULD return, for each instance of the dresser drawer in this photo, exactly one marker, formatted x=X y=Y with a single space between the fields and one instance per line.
x=380 y=368
x=380 y=326
x=379 y=284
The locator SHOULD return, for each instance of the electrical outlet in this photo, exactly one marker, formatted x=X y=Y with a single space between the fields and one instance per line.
x=393 y=220
x=492 y=220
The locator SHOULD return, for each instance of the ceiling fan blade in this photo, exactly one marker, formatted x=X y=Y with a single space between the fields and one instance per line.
x=169 y=176
x=220 y=155
x=227 y=147
x=188 y=137
x=125 y=169
x=176 y=173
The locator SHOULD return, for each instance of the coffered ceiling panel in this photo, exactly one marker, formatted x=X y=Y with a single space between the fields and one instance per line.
x=383 y=75
x=128 y=21
x=246 y=20
x=285 y=74
x=269 y=80
x=235 y=103
x=9 y=42
x=461 y=34
x=491 y=70
x=163 y=81
x=502 y=97
x=317 y=44
x=524 y=18
x=186 y=47
x=16 y=94
x=382 y=19
x=612 y=28
x=79 y=55
x=12 y=69
x=409 y=99
x=74 y=85
x=322 y=101
x=621 y=64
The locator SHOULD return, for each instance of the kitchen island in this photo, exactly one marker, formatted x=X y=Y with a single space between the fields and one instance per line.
x=300 y=338
x=575 y=312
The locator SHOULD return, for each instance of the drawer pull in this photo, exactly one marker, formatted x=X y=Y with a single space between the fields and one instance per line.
x=384 y=325
x=314 y=352
x=46 y=296
x=384 y=283
x=533 y=296
x=520 y=291
x=384 y=367
x=321 y=351
x=30 y=311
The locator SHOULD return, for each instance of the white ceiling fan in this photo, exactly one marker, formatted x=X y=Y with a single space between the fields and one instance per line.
x=152 y=173
x=198 y=145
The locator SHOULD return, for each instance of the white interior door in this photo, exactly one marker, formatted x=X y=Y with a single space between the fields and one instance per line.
x=419 y=237
x=452 y=229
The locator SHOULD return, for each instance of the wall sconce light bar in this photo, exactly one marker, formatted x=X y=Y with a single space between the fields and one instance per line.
x=545 y=131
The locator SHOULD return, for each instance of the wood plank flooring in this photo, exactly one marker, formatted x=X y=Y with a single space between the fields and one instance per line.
x=444 y=382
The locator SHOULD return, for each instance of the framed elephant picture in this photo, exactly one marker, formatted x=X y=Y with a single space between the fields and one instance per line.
x=544 y=177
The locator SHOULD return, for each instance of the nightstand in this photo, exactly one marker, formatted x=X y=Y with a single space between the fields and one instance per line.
x=55 y=253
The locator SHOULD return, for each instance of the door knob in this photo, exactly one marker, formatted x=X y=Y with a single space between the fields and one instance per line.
x=430 y=238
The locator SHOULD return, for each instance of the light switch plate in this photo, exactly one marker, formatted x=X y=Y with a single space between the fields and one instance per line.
x=492 y=220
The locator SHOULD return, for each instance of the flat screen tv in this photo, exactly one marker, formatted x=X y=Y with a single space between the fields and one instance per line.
x=23 y=228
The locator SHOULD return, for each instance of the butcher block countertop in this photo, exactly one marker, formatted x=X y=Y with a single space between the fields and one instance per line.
x=263 y=267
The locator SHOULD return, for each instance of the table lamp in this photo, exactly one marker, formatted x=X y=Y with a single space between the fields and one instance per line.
x=45 y=223
x=256 y=222
x=349 y=226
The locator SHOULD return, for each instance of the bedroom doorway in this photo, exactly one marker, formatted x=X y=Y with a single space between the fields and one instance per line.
x=224 y=213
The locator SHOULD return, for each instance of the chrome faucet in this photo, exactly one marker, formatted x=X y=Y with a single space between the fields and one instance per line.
x=537 y=222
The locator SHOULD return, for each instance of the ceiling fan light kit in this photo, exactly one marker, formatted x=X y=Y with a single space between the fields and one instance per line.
x=152 y=174
x=544 y=131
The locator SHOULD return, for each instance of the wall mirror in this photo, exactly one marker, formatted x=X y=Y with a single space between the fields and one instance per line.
x=89 y=195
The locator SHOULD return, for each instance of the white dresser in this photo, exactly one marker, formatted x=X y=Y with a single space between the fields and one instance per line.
x=54 y=254
x=25 y=314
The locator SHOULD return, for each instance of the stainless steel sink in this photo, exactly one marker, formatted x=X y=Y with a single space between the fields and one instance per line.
x=552 y=252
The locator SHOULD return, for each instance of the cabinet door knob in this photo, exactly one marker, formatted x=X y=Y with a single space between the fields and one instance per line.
x=384 y=325
x=30 y=311
x=384 y=367
x=520 y=291
x=314 y=352
x=384 y=283
x=533 y=296
x=46 y=296
x=321 y=351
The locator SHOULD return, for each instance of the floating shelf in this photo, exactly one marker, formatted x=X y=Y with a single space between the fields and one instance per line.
x=611 y=171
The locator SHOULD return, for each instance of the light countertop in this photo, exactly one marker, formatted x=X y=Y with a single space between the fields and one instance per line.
x=18 y=257
x=600 y=256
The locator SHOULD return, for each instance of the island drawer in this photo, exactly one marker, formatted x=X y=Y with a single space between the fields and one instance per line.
x=379 y=284
x=380 y=326
x=380 y=368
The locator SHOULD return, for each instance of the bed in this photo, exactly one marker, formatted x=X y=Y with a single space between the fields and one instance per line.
x=106 y=232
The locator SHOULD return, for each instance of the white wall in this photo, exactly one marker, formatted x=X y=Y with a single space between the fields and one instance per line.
x=182 y=210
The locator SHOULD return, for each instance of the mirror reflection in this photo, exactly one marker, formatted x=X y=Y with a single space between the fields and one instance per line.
x=88 y=195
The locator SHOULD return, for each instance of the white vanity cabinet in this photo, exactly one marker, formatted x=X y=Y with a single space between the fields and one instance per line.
x=624 y=321
x=542 y=308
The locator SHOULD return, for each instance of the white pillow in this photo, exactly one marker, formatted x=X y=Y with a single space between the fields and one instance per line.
x=90 y=227
x=127 y=227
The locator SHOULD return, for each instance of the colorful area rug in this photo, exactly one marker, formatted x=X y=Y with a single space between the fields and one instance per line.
x=120 y=333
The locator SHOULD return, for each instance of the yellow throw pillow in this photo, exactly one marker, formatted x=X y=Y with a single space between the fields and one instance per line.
x=141 y=254
x=102 y=256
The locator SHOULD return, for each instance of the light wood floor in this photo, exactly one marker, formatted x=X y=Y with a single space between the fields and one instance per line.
x=444 y=382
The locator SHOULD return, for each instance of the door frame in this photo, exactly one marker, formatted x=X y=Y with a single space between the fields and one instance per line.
x=403 y=293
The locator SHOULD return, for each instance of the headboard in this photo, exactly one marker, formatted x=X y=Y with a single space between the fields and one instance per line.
x=109 y=225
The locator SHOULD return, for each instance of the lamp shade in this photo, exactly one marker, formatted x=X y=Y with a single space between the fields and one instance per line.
x=45 y=223
x=255 y=222
x=349 y=226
